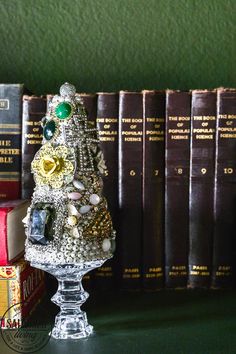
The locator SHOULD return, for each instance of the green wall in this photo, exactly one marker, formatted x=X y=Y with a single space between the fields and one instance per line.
x=118 y=44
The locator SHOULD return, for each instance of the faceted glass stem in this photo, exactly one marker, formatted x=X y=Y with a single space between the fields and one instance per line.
x=71 y=321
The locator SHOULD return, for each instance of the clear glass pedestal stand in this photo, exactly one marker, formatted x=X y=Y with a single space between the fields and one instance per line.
x=71 y=322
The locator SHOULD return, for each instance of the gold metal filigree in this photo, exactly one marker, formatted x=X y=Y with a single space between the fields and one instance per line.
x=51 y=165
x=101 y=225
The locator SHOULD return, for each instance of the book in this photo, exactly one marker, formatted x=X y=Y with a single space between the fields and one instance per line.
x=107 y=125
x=12 y=233
x=225 y=191
x=10 y=140
x=34 y=109
x=201 y=192
x=153 y=189
x=21 y=288
x=130 y=188
x=178 y=109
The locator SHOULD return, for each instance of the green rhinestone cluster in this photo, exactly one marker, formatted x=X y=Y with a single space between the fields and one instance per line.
x=49 y=130
x=62 y=111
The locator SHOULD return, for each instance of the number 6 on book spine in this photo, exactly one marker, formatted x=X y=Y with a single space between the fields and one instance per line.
x=130 y=188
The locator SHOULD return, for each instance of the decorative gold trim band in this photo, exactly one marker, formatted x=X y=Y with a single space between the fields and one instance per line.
x=10 y=173
x=2 y=179
x=10 y=125
x=4 y=132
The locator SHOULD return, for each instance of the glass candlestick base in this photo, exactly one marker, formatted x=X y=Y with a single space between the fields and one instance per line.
x=71 y=322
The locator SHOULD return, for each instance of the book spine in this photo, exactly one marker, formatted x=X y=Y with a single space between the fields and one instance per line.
x=10 y=295
x=178 y=105
x=225 y=191
x=3 y=236
x=107 y=125
x=34 y=109
x=32 y=287
x=10 y=140
x=201 y=194
x=153 y=189
x=130 y=188
x=21 y=288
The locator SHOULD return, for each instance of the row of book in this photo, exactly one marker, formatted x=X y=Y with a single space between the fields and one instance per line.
x=170 y=183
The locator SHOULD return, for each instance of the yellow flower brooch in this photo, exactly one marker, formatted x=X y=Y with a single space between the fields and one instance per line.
x=53 y=166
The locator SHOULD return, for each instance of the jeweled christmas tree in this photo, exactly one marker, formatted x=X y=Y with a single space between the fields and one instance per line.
x=68 y=226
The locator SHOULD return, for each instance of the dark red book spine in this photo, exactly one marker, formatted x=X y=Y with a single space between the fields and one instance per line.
x=201 y=195
x=10 y=140
x=130 y=188
x=107 y=124
x=3 y=235
x=34 y=109
x=31 y=294
x=225 y=191
x=178 y=109
x=153 y=189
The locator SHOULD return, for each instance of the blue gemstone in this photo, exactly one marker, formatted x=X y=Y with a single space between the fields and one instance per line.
x=41 y=225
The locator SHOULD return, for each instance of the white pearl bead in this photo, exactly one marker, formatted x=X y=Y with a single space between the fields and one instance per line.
x=106 y=244
x=74 y=195
x=75 y=232
x=72 y=220
x=94 y=199
x=72 y=210
x=78 y=185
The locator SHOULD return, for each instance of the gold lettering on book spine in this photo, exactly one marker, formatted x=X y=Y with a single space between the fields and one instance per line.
x=4 y=104
x=135 y=129
x=199 y=270
x=106 y=132
x=34 y=134
x=181 y=129
x=131 y=273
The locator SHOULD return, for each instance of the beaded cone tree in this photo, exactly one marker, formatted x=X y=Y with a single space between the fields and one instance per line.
x=68 y=225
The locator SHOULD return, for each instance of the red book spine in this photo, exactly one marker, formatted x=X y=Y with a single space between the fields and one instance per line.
x=10 y=188
x=3 y=236
x=32 y=288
